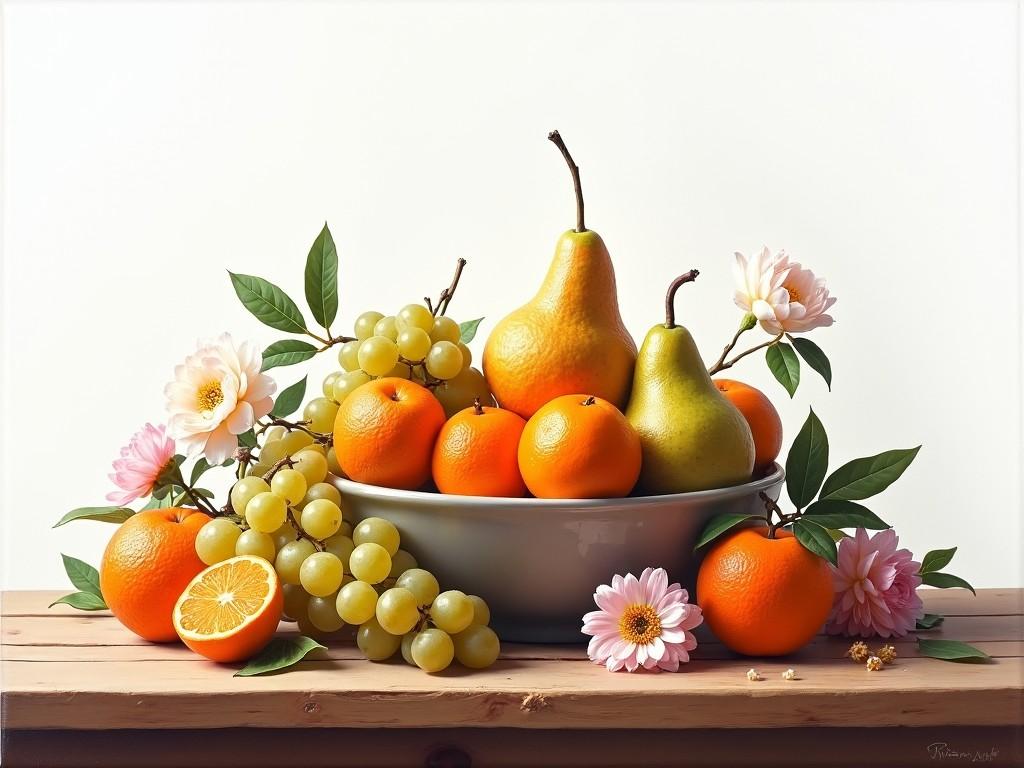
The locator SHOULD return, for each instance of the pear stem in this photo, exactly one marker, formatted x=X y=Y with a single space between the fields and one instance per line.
x=670 y=297
x=556 y=138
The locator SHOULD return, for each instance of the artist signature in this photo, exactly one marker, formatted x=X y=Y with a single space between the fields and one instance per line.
x=940 y=750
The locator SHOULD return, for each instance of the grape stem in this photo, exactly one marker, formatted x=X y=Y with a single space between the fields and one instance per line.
x=323 y=438
x=446 y=295
x=320 y=546
x=286 y=461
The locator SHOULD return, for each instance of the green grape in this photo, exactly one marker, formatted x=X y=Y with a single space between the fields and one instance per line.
x=283 y=535
x=415 y=316
x=346 y=526
x=364 y=324
x=271 y=451
x=328 y=385
x=253 y=542
x=312 y=464
x=377 y=530
x=266 y=512
x=477 y=647
x=320 y=518
x=401 y=562
x=451 y=611
x=289 y=484
x=323 y=614
x=432 y=650
x=444 y=360
x=322 y=491
x=413 y=343
x=332 y=463
x=370 y=563
x=481 y=613
x=467 y=355
x=340 y=546
x=348 y=355
x=407 y=648
x=295 y=441
x=320 y=412
x=318 y=447
x=421 y=583
x=345 y=384
x=216 y=540
x=459 y=393
x=396 y=611
x=290 y=558
x=357 y=602
x=386 y=327
x=376 y=643
x=378 y=355
x=445 y=329
x=400 y=371
x=244 y=490
x=320 y=574
x=273 y=433
x=296 y=601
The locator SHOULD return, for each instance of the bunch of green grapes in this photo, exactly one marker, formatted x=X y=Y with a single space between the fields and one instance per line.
x=413 y=344
x=399 y=606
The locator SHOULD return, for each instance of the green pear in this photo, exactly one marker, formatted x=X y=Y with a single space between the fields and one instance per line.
x=692 y=437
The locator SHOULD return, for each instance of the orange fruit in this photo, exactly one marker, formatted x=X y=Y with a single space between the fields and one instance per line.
x=579 y=447
x=761 y=596
x=477 y=453
x=764 y=421
x=385 y=431
x=230 y=611
x=148 y=561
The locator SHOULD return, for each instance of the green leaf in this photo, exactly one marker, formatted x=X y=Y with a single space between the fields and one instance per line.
x=156 y=502
x=268 y=303
x=468 y=329
x=861 y=478
x=930 y=621
x=287 y=352
x=83 y=576
x=936 y=560
x=784 y=365
x=814 y=357
x=248 y=439
x=945 y=581
x=950 y=650
x=198 y=469
x=103 y=514
x=720 y=524
x=280 y=653
x=322 y=278
x=837 y=513
x=83 y=601
x=837 y=535
x=289 y=400
x=815 y=539
x=807 y=462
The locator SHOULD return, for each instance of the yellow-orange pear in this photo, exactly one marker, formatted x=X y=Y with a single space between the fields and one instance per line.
x=570 y=336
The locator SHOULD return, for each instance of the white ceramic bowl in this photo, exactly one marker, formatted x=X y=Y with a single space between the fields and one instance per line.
x=537 y=561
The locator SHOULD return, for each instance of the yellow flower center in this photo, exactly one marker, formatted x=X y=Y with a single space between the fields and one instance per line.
x=794 y=295
x=209 y=396
x=639 y=624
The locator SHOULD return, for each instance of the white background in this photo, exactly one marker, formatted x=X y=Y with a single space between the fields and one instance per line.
x=150 y=146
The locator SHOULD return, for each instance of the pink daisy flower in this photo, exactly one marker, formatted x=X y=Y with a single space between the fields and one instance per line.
x=643 y=622
x=876 y=587
x=141 y=462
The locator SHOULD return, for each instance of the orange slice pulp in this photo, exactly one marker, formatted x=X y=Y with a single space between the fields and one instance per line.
x=230 y=611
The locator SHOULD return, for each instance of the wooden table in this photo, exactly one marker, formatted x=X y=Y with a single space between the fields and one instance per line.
x=80 y=689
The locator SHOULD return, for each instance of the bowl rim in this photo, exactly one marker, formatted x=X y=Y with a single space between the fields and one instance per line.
x=774 y=477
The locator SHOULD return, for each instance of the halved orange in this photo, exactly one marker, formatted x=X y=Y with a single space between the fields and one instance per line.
x=230 y=611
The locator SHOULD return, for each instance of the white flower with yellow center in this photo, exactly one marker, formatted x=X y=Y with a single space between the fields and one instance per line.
x=217 y=394
x=780 y=293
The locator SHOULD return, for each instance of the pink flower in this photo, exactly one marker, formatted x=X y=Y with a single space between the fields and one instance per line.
x=216 y=395
x=643 y=622
x=141 y=462
x=781 y=294
x=876 y=587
